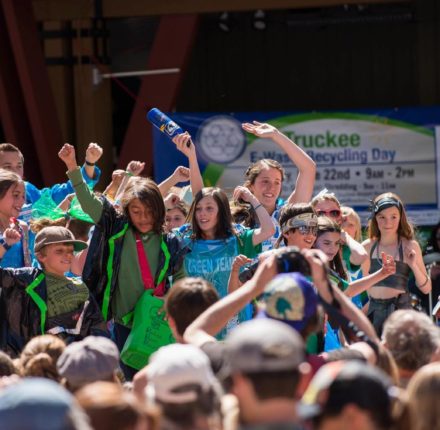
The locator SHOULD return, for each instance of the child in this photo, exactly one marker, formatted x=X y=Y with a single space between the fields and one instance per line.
x=390 y=231
x=326 y=204
x=214 y=242
x=329 y=242
x=128 y=251
x=299 y=225
x=265 y=177
x=12 y=159
x=351 y=224
x=38 y=301
x=176 y=213
x=12 y=196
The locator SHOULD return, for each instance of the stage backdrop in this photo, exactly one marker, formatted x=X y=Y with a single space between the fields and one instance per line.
x=359 y=154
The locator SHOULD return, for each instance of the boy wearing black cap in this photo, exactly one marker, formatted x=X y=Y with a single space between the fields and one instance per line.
x=37 y=301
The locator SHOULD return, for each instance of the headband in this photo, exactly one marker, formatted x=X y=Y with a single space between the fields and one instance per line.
x=302 y=220
x=384 y=203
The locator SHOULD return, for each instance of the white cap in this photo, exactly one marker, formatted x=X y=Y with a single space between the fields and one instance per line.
x=173 y=368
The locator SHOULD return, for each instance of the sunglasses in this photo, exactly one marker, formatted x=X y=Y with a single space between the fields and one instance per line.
x=303 y=229
x=335 y=213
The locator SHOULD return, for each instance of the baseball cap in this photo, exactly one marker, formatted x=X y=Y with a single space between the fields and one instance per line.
x=176 y=374
x=262 y=345
x=53 y=234
x=94 y=358
x=348 y=382
x=290 y=298
x=35 y=404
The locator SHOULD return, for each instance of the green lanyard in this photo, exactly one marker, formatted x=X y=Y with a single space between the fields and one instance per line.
x=42 y=306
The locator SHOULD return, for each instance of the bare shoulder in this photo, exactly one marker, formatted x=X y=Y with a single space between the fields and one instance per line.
x=411 y=244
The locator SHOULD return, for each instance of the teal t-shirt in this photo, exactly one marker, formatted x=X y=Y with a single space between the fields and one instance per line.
x=212 y=260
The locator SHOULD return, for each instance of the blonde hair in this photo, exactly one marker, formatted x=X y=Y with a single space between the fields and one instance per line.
x=350 y=212
x=405 y=229
x=424 y=401
x=38 y=224
x=323 y=197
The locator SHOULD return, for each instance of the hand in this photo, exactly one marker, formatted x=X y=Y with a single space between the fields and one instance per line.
x=240 y=261
x=259 y=129
x=266 y=271
x=388 y=265
x=135 y=167
x=244 y=194
x=68 y=155
x=117 y=176
x=171 y=200
x=93 y=153
x=411 y=256
x=11 y=236
x=318 y=266
x=184 y=144
x=181 y=174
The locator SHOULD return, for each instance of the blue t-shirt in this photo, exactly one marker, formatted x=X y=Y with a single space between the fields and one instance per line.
x=13 y=257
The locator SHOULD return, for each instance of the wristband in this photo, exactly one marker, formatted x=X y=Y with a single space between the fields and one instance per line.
x=256 y=207
x=4 y=244
x=426 y=281
x=89 y=164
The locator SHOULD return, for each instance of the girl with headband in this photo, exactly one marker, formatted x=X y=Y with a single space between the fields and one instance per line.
x=390 y=231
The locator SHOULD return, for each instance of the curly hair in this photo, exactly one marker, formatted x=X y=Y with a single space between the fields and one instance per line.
x=411 y=337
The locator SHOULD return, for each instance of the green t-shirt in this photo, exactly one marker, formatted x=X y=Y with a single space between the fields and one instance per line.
x=64 y=294
x=130 y=284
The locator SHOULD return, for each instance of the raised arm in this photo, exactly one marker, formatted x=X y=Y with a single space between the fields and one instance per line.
x=196 y=179
x=413 y=255
x=306 y=166
x=358 y=254
x=90 y=173
x=234 y=281
x=112 y=188
x=317 y=261
x=89 y=203
x=10 y=237
x=134 y=168
x=267 y=227
x=181 y=174
x=93 y=154
x=209 y=323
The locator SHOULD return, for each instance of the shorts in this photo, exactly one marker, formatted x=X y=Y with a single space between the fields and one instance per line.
x=380 y=309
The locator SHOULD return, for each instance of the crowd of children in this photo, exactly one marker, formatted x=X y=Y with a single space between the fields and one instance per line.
x=75 y=263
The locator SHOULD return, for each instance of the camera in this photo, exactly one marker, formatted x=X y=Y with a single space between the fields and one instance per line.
x=288 y=259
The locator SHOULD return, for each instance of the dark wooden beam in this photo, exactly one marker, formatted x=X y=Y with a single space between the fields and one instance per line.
x=13 y=111
x=46 y=10
x=34 y=82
